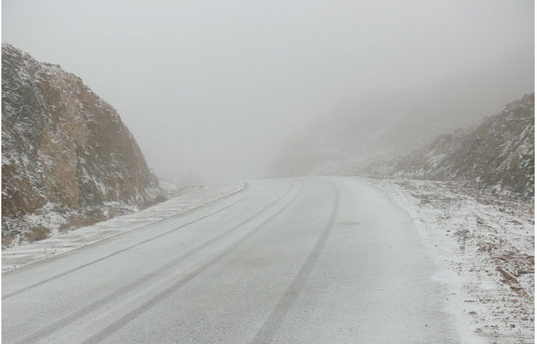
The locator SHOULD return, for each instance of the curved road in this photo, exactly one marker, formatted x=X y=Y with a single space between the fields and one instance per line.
x=310 y=260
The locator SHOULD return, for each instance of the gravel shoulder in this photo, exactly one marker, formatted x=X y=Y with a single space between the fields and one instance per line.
x=483 y=249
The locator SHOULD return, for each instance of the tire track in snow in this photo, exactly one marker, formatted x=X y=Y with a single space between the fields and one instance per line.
x=52 y=278
x=266 y=332
x=117 y=325
x=33 y=338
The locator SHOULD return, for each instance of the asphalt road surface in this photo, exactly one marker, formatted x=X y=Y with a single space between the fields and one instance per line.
x=306 y=260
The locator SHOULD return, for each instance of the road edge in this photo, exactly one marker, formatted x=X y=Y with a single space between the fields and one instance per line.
x=245 y=186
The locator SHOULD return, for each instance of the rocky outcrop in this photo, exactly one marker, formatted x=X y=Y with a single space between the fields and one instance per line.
x=497 y=157
x=67 y=158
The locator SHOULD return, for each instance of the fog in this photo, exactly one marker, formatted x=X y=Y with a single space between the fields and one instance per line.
x=213 y=89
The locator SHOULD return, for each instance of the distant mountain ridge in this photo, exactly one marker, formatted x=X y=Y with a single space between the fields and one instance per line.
x=65 y=152
x=497 y=156
x=388 y=123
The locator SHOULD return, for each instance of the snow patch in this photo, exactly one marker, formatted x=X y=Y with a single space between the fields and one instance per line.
x=61 y=242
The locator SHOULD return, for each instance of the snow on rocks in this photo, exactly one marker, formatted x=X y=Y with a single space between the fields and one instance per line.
x=483 y=249
x=65 y=153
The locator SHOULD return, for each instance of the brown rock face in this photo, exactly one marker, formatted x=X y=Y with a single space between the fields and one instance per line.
x=64 y=149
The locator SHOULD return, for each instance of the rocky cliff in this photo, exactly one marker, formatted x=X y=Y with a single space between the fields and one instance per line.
x=67 y=158
x=496 y=157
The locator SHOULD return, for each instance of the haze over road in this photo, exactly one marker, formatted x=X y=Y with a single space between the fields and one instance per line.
x=305 y=260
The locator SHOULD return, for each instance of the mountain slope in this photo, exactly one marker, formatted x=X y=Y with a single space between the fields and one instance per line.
x=67 y=158
x=388 y=124
x=497 y=156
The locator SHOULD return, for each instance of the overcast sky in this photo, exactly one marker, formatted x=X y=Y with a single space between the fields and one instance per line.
x=217 y=86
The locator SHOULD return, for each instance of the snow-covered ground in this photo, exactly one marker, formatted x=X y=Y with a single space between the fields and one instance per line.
x=484 y=252
x=61 y=242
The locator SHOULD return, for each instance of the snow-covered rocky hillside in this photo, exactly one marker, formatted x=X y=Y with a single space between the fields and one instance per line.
x=496 y=157
x=67 y=158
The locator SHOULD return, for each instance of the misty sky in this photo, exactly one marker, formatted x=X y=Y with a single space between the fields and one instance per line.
x=217 y=86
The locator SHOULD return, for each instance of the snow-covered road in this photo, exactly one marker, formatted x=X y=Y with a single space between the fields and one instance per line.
x=311 y=260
